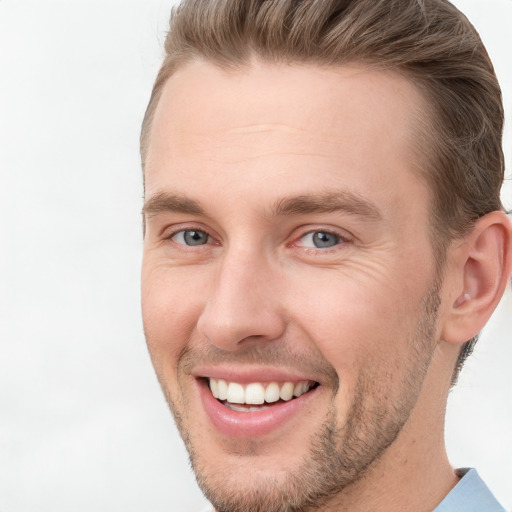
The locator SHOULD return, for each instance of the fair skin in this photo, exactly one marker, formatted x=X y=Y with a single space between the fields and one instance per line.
x=284 y=233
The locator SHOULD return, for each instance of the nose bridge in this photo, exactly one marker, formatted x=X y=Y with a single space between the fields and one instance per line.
x=243 y=302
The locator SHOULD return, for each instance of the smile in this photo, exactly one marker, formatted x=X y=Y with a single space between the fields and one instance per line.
x=235 y=395
x=252 y=407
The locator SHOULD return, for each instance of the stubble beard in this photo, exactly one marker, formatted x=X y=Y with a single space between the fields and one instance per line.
x=338 y=457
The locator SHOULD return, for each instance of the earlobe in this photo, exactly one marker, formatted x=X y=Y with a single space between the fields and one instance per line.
x=485 y=264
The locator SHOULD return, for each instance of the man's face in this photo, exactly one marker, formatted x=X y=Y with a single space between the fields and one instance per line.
x=287 y=253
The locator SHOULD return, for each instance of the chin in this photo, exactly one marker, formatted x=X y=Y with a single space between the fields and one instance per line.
x=244 y=475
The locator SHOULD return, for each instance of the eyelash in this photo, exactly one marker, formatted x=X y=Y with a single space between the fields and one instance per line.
x=184 y=230
x=341 y=239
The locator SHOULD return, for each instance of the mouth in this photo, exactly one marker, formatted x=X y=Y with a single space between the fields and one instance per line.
x=257 y=396
x=256 y=402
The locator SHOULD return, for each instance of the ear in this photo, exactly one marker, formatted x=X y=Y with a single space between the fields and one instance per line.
x=483 y=267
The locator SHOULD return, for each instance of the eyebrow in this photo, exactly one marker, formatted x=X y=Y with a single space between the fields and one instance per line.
x=341 y=201
x=171 y=203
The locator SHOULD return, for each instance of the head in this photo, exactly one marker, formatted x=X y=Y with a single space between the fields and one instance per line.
x=431 y=43
x=303 y=161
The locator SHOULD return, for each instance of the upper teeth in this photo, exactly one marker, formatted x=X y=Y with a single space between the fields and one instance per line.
x=256 y=392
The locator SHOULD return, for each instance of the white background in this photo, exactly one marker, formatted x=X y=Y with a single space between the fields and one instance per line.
x=83 y=425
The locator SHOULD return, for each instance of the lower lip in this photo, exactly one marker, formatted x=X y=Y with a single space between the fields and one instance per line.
x=251 y=424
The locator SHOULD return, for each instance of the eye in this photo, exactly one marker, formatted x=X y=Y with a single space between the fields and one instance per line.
x=320 y=239
x=191 y=237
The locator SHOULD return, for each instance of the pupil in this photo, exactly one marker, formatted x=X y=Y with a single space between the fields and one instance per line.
x=324 y=240
x=195 y=237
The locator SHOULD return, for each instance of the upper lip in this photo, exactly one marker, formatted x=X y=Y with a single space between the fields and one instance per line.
x=248 y=375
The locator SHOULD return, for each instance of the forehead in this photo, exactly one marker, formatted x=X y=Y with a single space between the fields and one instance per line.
x=349 y=124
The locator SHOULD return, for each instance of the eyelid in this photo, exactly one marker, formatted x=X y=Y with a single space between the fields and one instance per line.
x=171 y=231
x=343 y=236
x=181 y=234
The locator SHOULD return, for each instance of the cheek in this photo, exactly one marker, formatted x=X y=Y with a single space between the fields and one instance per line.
x=171 y=305
x=357 y=318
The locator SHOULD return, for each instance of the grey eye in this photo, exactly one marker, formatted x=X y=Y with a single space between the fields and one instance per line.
x=325 y=239
x=321 y=239
x=191 y=237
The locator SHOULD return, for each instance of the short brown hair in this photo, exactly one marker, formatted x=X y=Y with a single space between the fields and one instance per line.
x=428 y=41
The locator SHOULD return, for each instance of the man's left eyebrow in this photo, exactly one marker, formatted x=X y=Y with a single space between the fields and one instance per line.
x=342 y=201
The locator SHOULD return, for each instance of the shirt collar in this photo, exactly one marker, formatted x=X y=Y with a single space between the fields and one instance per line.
x=469 y=495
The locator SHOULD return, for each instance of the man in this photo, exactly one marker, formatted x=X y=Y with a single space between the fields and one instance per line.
x=324 y=240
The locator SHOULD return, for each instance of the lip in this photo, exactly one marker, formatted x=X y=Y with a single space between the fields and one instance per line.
x=252 y=375
x=246 y=425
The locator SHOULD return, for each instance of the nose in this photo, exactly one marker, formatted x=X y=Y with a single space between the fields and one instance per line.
x=243 y=304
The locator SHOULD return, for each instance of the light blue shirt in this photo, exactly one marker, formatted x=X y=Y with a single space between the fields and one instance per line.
x=470 y=495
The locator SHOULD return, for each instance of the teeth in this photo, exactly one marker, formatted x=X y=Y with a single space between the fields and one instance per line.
x=223 y=389
x=257 y=393
x=272 y=393
x=214 y=387
x=300 y=388
x=254 y=394
x=286 y=391
x=245 y=408
x=236 y=393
